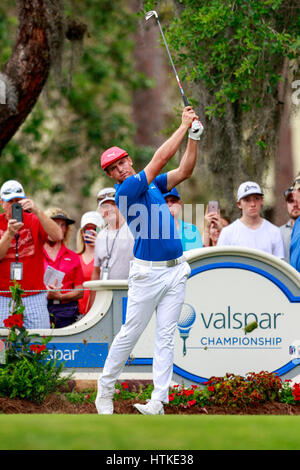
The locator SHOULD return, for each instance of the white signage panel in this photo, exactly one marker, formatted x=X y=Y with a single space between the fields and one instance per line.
x=221 y=300
x=211 y=338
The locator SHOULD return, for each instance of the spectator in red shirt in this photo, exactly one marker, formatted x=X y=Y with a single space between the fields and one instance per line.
x=91 y=223
x=63 y=304
x=21 y=254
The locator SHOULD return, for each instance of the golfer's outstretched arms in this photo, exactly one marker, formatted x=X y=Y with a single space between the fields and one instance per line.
x=168 y=149
x=186 y=166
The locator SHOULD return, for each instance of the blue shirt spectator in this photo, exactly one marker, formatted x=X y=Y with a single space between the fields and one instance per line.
x=295 y=246
x=188 y=233
x=295 y=238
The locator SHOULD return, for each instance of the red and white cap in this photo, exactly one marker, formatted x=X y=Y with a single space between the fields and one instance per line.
x=111 y=155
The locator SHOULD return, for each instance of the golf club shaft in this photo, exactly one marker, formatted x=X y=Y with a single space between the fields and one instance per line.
x=186 y=103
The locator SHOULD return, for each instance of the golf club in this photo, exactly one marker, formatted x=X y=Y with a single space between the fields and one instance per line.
x=149 y=14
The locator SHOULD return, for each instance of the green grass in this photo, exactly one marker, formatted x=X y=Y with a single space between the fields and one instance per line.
x=171 y=432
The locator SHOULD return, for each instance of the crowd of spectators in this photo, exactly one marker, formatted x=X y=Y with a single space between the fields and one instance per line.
x=34 y=246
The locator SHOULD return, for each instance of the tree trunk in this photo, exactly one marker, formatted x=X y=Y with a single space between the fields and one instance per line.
x=24 y=75
x=284 y=170
x=152 y=107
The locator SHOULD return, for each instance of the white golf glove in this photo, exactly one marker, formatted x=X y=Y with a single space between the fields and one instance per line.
x=196 y=130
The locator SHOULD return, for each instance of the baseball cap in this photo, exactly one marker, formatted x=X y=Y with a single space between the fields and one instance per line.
x=247 y=188
x=106 y=194
x=111 y=155
x=58 y=213
x=296 y=183
x=92 y=217
x=288 y=192
x=11 y=189
x=173 y=192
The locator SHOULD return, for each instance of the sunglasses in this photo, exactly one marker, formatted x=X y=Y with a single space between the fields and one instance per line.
x=106 y=195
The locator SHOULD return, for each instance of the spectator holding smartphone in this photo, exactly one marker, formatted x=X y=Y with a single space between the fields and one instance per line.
x=213 y=224
x=21 y=254
x=90 y=225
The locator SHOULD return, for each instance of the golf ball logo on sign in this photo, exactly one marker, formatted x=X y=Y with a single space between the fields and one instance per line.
x=185 y=323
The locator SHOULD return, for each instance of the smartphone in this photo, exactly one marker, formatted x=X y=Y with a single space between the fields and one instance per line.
x=89 y=232
x=213 y=206
x=17 y=211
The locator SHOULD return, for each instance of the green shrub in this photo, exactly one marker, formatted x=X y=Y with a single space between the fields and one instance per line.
x=123 y=392
x=27 y=372
x=30 y=379
x=79 y=398
x=237 y=391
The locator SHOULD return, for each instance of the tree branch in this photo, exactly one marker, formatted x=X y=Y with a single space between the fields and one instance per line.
x=24 y=75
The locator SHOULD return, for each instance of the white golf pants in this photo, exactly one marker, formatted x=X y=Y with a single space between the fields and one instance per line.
x=150 y=288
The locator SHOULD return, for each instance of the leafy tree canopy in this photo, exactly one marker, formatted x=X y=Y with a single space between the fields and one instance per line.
x=233 y=57
x=86 y=104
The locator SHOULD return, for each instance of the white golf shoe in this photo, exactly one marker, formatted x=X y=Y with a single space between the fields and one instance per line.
x=104 y=403
x=153 y=407
x=104 y=406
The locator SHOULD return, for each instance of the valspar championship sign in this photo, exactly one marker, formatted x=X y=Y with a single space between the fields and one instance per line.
x=227 y=291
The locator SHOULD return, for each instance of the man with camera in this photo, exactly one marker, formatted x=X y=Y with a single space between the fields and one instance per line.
x=24 y=229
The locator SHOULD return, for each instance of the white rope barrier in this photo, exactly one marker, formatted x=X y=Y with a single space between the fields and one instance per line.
x=46 y=290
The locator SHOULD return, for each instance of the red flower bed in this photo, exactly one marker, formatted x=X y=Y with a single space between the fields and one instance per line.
x=14 y=320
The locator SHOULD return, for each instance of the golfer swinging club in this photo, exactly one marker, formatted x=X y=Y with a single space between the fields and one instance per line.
x=159 y=270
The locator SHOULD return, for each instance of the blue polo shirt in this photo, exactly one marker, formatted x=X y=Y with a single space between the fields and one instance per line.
x=295 y=246
x=148 y=217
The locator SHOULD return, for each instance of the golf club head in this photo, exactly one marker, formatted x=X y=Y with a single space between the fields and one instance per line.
x=149 y=15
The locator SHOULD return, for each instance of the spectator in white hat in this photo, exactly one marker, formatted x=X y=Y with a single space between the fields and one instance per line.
x=251 y=230
x=106 y=193
x=90 y=225
x=21 y=254
x=114 y=244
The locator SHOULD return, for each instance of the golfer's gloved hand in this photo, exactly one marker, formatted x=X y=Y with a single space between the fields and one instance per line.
x=196 y=130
